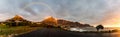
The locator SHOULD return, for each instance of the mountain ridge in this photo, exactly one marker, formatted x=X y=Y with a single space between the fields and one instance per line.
x=47 y=21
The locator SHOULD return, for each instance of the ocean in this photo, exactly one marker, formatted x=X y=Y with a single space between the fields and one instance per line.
x=114 y=34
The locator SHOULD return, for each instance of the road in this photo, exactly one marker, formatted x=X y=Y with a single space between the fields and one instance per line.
x=54 y=32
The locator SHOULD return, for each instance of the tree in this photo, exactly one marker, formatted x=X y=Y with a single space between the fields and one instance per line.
x=99 y=27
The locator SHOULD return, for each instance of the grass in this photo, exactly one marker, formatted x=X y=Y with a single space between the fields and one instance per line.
x=6 y=30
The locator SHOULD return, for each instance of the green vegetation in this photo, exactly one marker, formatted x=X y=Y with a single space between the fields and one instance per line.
x=99 y=27
x=7 y=30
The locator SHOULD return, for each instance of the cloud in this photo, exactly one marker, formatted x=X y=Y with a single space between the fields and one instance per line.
x=87 y=11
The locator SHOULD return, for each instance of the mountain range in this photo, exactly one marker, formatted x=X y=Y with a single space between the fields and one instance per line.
x=51 y=21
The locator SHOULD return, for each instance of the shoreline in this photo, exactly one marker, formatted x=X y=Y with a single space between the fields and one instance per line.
x=109 y=31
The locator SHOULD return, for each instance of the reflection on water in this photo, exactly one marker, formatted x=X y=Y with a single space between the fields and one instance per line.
x=114 y=34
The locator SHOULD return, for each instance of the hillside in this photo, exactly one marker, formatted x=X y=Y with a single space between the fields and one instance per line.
x=63 y=23
x=49 y=21
x=17 y=20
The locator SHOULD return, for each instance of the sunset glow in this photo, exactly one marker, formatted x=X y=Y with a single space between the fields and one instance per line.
x=114 y=22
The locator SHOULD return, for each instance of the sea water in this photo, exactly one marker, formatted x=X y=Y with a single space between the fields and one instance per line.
x=114 y=34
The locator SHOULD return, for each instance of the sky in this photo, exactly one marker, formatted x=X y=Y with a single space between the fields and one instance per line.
x=94 y=12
